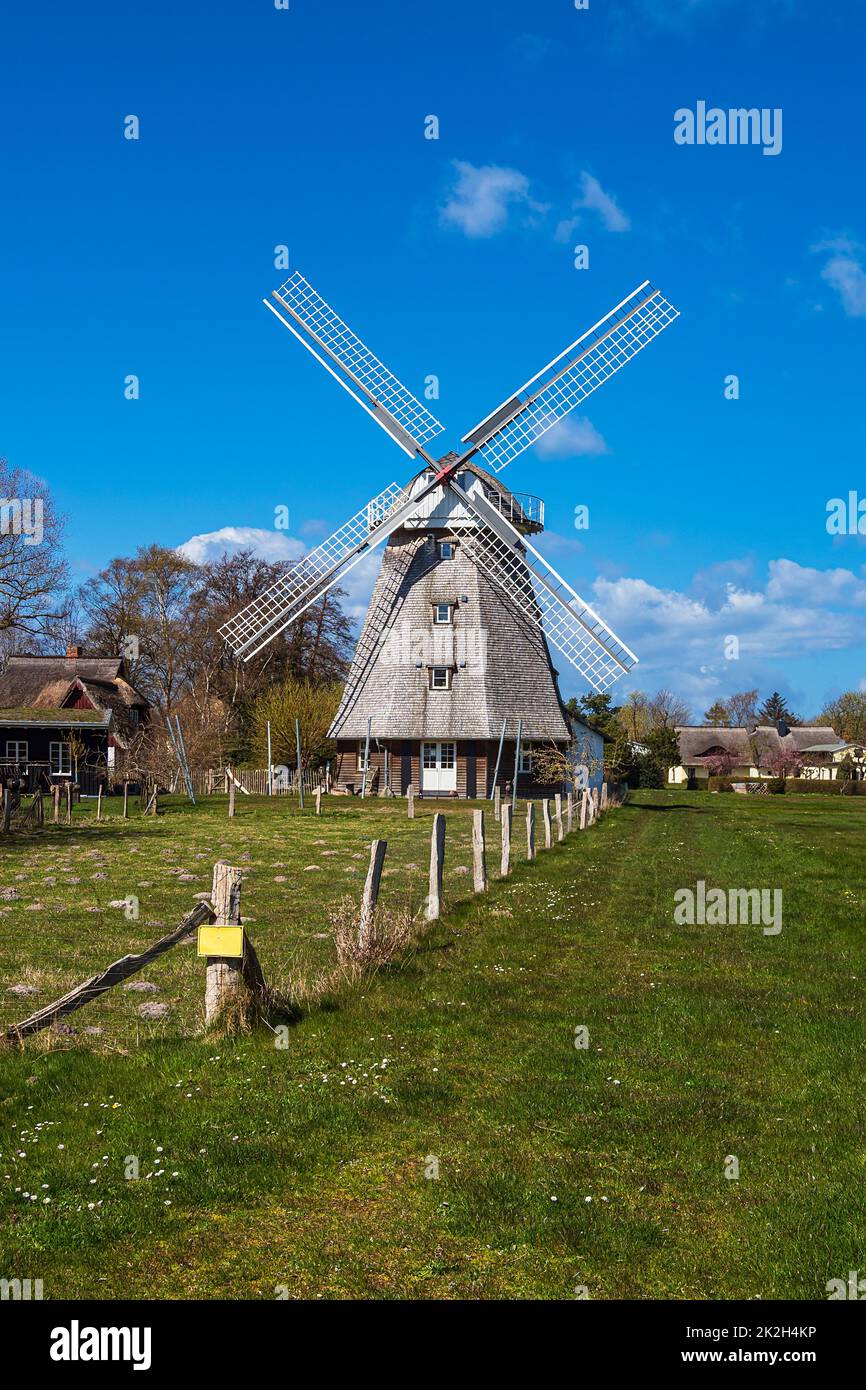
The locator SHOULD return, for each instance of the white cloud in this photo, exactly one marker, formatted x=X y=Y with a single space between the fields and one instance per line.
x=571 y=437
x=482 y=197
x=593 y=197
x=848 y=278
x=267 y=545
x=679 y=638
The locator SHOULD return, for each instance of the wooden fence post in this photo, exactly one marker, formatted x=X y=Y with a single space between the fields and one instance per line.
x=530 y=830
x=231 y=781
x=371 y=894
x=584 y=797
x=225 y=979
x=479 y=857
x=569 y=813
x=68 y=803
x=55 y=795
x=319 y=800
x=545 y=811
x=604 y=796
x=125 y=799
x=7 y=808
x=557 y=802
x=410 y=801
x=505 y=813
x=497 y=808
x=99 y=804
x=594 y=805
x=437 y=863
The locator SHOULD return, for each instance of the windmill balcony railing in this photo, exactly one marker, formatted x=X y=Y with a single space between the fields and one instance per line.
x=520 y=508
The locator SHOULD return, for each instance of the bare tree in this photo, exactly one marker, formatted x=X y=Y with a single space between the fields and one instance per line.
x=33 y=571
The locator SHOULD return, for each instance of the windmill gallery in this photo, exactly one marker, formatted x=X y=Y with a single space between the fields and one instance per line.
x=452 y=680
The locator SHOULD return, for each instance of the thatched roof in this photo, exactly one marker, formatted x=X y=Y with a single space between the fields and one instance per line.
x=51 y=684
x=751 y=747
x=37 y=680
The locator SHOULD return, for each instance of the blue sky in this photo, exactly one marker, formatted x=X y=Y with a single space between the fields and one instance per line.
x=261 y=127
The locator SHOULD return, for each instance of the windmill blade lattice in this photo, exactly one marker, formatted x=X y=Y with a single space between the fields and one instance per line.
x=305 y=582
x=393 y=405
x=572 y=376
x=538 y=591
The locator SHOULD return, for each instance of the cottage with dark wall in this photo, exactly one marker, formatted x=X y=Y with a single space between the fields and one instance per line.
x=67 y=718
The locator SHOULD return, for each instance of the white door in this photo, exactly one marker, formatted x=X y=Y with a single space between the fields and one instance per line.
x=439 y=767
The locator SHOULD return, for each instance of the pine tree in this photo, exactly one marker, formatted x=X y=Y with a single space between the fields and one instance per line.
x=775 y=709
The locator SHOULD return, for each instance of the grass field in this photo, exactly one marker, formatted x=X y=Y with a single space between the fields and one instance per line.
x=305 y=1169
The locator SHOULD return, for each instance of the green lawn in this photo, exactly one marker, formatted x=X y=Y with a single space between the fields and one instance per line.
x=302 y=1168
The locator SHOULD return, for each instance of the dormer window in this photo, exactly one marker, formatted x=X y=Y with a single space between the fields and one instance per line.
x=446 y=550
x=442 y=614
x=440 y=678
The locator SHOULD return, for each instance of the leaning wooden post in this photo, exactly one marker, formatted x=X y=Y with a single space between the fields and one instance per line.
x=125 y=799
x=231 y=797
x=545 y=811
x=410 y=802
x=496 y=803
x=154 y=801
x=557 y=805
x=319 y=800
x=99 y=804
x=225 y=977
x=371 y=894
x=569 y=812
x=479 y=858
x=530 y=830
x=505 y=864
x=437 y=863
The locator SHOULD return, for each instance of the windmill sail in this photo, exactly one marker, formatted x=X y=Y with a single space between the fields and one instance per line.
x=572 y=376
x=390 y=403
x=543 y=595
x=273 y=611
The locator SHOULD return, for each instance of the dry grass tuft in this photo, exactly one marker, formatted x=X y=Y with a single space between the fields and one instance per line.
x=390 y=933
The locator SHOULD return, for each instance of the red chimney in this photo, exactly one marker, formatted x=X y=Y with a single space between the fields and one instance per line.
x=73 y=652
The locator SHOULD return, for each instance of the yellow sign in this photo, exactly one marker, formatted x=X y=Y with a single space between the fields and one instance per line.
x=221 y=941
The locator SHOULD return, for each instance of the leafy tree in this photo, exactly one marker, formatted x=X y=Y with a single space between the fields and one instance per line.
x=596 y=710
x=775 y=709
x=314 y=706
x=847 y=715
x=634 y=716
x=718 y=715
x=663 y=748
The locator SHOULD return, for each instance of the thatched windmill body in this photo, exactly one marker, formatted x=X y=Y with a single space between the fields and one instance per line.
x=452 y=680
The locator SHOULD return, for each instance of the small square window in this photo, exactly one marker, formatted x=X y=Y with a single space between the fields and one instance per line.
x=442 y=614
x=440 y=678
x=446 y=550
x=16 y=751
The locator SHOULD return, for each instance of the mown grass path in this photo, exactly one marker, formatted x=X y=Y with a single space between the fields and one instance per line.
x=303 y=1167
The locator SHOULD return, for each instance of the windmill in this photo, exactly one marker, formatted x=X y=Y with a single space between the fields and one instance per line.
x=457 y=540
